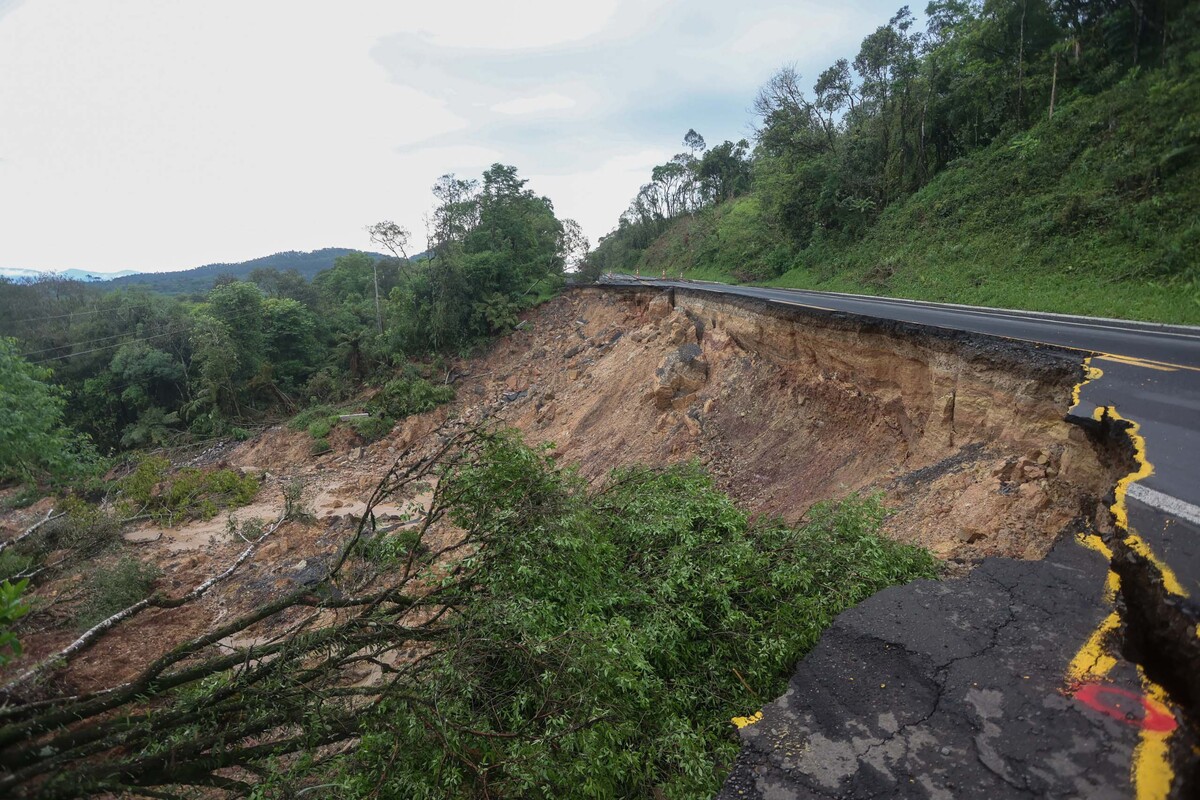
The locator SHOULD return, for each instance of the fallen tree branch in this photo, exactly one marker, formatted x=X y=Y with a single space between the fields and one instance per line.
x=88 y=637
x=32 y=529
x=256 y=702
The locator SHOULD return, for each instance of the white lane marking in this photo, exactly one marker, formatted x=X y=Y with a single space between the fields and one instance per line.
x=1164 y=502
x=1130 y=325
x=803 y=305
x=980 y=311
x=1191 y=332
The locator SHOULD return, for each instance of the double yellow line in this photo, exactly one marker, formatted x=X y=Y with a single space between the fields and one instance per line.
x=1151 y=770
x=1146 y=363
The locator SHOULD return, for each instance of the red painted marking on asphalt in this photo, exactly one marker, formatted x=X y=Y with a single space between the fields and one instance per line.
x=1128 y=707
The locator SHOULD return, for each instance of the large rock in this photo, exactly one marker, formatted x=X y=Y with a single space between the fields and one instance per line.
x=660 y=306
x=680 y=374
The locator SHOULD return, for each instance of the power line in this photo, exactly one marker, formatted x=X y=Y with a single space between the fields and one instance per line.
x=127 y=341
x=90 y=341
x=98 y=349
x=59 y=316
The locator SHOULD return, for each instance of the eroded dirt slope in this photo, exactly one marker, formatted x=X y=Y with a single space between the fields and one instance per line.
x=786 y=407
x=966 y=437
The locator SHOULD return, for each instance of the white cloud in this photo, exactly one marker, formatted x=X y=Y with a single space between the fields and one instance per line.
x=150 y=135
x=509 y=26
x=535 y=104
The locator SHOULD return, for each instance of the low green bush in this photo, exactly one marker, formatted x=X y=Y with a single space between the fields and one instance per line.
x=78 y=531
x=16 y=561
x=111 y=589
x=187 y=493
x=321 y=428
x=308 y=416
x=409 y=394
x=372 y=428
x=85 y=529
x=12 y=608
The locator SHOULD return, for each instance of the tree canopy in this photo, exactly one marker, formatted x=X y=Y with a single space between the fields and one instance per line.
x=878 y=125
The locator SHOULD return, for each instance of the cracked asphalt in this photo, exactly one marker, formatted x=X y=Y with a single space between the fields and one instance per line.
x=950 y=689
x=1075 y=676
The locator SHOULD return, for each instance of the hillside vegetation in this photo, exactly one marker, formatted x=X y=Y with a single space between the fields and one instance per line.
x=132 y=368
x=951 y=179
x=200 y=279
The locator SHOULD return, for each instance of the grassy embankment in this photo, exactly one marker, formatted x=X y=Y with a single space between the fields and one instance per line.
x=1095 y=212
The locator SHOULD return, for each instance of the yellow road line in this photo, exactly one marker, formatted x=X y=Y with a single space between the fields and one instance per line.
x=1120 y=510
x=1093 y=662
x=1090 y=374
x=1151 y=768
x=1161 y=366
x=742 y=722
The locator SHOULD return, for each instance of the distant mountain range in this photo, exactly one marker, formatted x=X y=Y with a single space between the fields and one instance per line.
x=70 y=274
x=199 y=279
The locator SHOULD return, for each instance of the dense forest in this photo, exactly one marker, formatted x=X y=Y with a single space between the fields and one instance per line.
x=127 y=367
x=1023 y=153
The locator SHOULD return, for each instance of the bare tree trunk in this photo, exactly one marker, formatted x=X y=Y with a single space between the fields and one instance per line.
x=32 y=529
x=1139 y=19
x=89 y=636
x=378 y=309
x=1053 y=86
x=1163 y=55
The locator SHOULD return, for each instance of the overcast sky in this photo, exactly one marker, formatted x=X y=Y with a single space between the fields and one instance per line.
x=152 y=135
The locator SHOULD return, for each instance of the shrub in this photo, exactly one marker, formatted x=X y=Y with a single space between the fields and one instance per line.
x=86 y=530
x=320 y=446
x=111 y=589
x=320 y=428
x=407 y=395
x=187 y=493
x=82 y=530
x=16 y=561
x=12 y=608
x=308 y=416
x=372 y=428
x=627 y=625
x=392 y=548
x=295 y=506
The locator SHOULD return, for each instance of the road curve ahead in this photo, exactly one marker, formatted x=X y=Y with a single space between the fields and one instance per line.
x=1075 y=676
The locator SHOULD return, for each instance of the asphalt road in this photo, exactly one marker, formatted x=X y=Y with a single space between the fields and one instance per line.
x=1151 y=375
x=1023 y=679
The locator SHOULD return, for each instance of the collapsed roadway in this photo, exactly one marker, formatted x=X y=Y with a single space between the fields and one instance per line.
x=1070 y=676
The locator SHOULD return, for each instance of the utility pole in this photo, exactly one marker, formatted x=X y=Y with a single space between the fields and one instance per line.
x=378 y=308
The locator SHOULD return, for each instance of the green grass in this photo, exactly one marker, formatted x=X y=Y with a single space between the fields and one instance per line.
x=1096 y=212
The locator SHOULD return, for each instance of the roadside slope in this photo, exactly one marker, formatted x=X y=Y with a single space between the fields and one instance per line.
x=1093 y=212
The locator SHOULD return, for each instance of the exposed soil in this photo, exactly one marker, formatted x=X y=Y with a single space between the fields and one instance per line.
x=966 y=439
